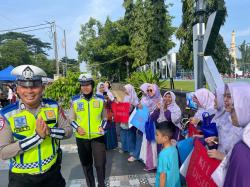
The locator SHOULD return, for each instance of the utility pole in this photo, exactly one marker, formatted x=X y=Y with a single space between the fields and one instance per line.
x=55 y=48
x=65 y=52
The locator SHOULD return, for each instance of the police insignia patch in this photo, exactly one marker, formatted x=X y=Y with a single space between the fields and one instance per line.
x=20 y=122
x=96 y=104
x=50 y=114
x=80 y=106
x=1 y=123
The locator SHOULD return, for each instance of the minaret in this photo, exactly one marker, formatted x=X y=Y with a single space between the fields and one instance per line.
x=233 y=52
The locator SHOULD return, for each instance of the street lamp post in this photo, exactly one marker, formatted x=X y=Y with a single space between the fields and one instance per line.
x=199 y=30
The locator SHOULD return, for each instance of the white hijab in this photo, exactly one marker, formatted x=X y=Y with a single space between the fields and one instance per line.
x=98 y=88
x=241 y=99
x=132 y=97
x=206 y=100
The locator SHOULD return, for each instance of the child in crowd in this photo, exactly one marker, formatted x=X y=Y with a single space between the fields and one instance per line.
x=168 y=164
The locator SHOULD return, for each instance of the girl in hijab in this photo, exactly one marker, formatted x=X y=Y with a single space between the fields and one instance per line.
x=149 y=148
x=234 y=170
x=169 y=111
x=107 y=85
x=228 y=135
x=205 y=102
x=138 y=141
x=100 y=89
x=110 y=128
x=127 y=135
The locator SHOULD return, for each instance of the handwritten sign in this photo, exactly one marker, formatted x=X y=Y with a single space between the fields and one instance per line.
x=201 y=167
x=138 y=118
x=121 y=112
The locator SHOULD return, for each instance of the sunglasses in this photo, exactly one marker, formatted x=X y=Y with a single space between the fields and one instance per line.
x=150 y=90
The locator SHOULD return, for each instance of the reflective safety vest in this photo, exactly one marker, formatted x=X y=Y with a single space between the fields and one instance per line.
x=23 y=124
x=88 y=116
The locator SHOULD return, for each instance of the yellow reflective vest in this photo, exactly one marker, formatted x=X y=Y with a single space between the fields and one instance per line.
x=23 y=124
x=88 y=115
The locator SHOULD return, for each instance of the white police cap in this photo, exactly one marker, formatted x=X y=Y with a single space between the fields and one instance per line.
x=85 y=79
x=28 y=75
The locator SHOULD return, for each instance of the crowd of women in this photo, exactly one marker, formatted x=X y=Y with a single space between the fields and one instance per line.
x=229 y=107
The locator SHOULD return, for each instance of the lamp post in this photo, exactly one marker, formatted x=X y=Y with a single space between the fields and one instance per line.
x=198 y=34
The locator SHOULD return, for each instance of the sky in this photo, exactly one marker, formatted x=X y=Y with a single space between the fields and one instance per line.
x=70 y=14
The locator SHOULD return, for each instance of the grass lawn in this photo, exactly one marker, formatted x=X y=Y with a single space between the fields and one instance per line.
x=180 y=85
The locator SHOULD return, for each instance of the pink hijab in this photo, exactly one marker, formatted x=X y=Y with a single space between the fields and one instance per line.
x=151 y=102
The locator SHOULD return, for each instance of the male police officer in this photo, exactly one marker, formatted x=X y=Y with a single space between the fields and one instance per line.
x=87 y=116
x=30 y=131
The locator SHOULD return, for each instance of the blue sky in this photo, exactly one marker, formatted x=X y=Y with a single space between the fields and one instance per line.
x=70 y=14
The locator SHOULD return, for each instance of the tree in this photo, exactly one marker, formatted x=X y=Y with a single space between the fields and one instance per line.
x=64 y=88
x=244 y=62
x=71 y=64
x=184 y=34
x=159 y=29
x=151 y=34
x=138 y=36
x=104 y=48
x=15 y=53
x=35 y=45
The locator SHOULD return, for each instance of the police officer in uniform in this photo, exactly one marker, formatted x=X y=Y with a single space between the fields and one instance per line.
x=30 y=133
x=88 y=119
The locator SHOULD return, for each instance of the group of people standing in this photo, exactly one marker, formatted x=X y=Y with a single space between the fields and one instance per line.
x=31 y=130
x=228 y=108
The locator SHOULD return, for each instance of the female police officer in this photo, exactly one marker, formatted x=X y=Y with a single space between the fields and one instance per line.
x=30 y=130
x=87 y=117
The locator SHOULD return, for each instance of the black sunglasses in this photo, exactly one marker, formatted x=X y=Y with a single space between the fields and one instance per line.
x=150 y=90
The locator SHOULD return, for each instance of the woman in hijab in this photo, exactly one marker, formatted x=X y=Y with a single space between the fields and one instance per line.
x=127 y=135
x=110 y=128
x=169 y=111
x=107 y=85
x=205 y=102
x=228 y=135
x=138 y=141
x=149 y=147
x=234 y=170
x=100 y=89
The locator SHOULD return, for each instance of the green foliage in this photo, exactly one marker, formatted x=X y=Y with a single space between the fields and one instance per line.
x=64 y=88
x=243 y=63
x=143 y=35
x=150 y=32
x=104 y=48
x=184 y=34
x=14 y=52
x=138 y=78
x=35 y=45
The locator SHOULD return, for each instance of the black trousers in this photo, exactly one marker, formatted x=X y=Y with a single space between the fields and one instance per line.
x=52 y=178
x=89 y=150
